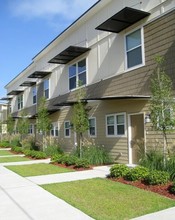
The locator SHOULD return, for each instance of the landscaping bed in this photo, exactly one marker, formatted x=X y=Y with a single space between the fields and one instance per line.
x=160 y=189
x=72 y=167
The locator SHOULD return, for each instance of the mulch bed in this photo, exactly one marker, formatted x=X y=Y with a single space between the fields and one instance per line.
x=71 y=167
x=160 y=189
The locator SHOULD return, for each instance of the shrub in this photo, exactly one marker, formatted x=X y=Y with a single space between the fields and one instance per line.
x=4 y=144
x=35 y=154
x=82 y=163
x=53 y=150
x=153 y=160
x=172 y=189
x=96 y=155
x=17 y=149
x=70 y=160
x=118 y=170
x=137 y=173
x=170 y=167
x=56 y=157
x=157 y=177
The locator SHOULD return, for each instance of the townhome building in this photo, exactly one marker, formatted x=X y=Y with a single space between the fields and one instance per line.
x=3 y=118
x=111 y=50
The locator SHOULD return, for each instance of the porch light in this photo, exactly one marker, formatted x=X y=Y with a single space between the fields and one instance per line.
x=147 y=118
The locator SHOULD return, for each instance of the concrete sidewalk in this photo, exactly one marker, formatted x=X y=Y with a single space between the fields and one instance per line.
x=23 y=200
x=101 y=172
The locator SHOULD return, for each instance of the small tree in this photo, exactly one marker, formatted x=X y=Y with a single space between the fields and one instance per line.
x=80 y=119
x=10 y=124
x=23 y=124
x=162 y=104
x=43 y=121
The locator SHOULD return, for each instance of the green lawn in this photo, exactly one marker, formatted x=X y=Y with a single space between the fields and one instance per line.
x=5 y=152
x=103 y=199
x=12 y=159
x=37 y=169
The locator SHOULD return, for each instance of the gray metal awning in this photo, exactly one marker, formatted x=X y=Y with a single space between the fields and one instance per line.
x=28 y=84
x=15 y=92
x=142 y=97
x=69 y=54
x=122 y=19
x=39 y=74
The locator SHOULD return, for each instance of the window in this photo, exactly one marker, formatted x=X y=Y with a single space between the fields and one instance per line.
x=115 y=125
x=77 y=74
x=67 y=127
x=46 y=88
x=20 y=102
x=34 y=92
x=54 y=129
x=92 y=127
x=134 y=49
x=31 y=129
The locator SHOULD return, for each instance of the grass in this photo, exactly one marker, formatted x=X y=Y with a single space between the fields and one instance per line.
x=103 y=199
x=12 y=159
x=5 y=152
x=37 y=169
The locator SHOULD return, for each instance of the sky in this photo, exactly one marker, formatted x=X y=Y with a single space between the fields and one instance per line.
x=27 y=26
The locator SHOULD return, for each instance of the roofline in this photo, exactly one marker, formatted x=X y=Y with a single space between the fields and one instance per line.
x=19 y=74
x=66 y=29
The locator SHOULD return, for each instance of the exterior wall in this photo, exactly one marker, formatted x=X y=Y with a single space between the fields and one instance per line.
x=106 y=72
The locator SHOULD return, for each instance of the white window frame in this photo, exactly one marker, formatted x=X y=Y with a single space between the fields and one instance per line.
x=67 y=136
x=93 y=136
x=115 y=125
x=20 y=101
x=31 y=129
x=55 y=129
x=34 y=94
x=77 y=74
x=142 y=50
x=47 y=88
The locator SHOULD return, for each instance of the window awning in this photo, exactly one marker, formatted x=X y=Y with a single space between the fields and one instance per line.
x=67 y=103
x=122 y=19
x=15 y=92
x=69 y=54
x=6 y=98
x=39 y=74
x=28 y=84
x=141 y=97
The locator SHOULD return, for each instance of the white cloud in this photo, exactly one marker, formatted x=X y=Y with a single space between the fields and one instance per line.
x=49 y=9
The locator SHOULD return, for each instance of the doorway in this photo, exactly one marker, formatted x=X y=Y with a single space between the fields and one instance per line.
x=136 y=137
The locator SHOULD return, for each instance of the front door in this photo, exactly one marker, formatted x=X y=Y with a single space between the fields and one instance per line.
x=137 y=137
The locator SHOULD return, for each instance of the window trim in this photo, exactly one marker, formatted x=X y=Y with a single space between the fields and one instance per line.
x=31 y=128
x=20 y=102
x=34 y=103
x=47 y=79
x=77 y=74
x=67 y=128
x=93 y=136
x=55 y=125
x=115 y=125
x=142 y=49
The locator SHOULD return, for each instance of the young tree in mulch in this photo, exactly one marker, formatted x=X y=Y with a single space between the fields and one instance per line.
x=23 y=125
x=162 y=104
x=80 y=119
x=10 y=126
x=43 y=122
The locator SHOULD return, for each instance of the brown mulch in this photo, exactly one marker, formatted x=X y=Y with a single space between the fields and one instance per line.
x=71 y=167
x=160 y=189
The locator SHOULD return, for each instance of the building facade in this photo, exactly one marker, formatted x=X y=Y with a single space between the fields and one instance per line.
x=111 y=50
x=3 y=118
